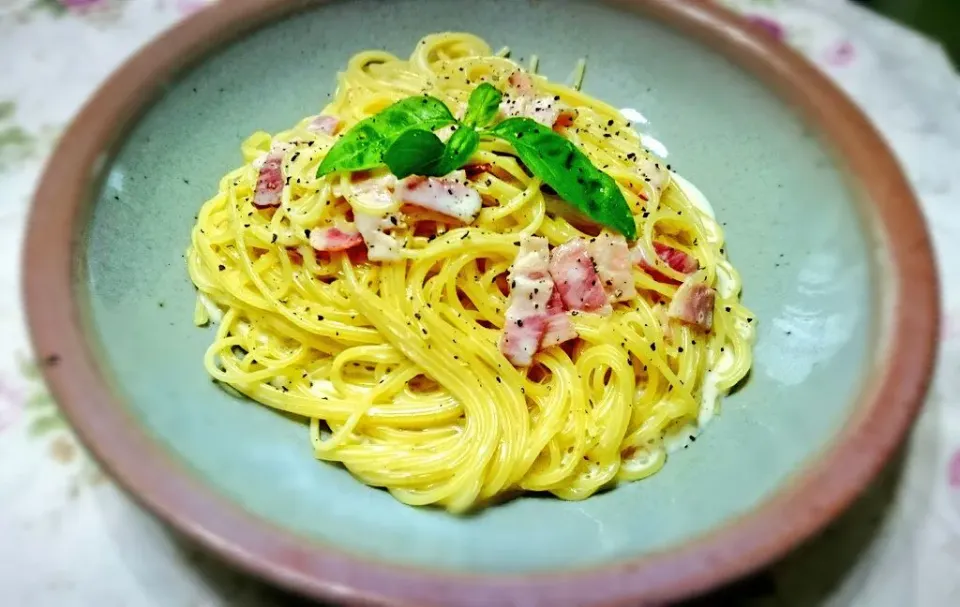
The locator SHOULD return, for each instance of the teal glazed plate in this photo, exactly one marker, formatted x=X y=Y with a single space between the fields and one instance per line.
x=819 y=219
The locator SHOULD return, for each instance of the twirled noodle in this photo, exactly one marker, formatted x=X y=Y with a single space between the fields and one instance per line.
x=396 y=364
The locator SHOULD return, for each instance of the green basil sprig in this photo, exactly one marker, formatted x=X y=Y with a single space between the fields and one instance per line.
x=419 y=152
x=460 y=147
x=422 y=153
x=415 y=152
x=483 y=106
x=401 y=137
x=363 y=146
x=562 y=166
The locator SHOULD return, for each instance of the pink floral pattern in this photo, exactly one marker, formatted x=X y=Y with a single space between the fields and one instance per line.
x=188 y=7
x=58 y=513
x=768 y=25
x=840 y=54
x=80 y=3
x=11 y=403
x=953 y=470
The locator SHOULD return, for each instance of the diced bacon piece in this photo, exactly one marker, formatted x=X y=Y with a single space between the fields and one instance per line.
x=380 y=245
x=612 y=258
x=522 y=101
x=295 y=257
x=675 y=258
x=521 y=82
x=530 y=291
x=533 y=259
x=544 y=110
x=693 y=304
x=521 y=339
x=277 y=148
x=576 y=278
x=327 y=125
x=654 y=173
x=473 y=170
x=269 y=191
x=374 y=193
x=338 y=238
x=559 y=328
x=565 y=119
x=450 y=195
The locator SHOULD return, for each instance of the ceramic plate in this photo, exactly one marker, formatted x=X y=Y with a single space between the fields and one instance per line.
x=834 y=257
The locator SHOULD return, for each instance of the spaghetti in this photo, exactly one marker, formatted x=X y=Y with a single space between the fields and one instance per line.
x=398 y=364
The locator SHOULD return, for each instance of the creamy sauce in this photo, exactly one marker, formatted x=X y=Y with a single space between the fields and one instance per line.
x=633 y=115
x=214 y=313
x=646 y=140
x=694 y=194
x=682 y=436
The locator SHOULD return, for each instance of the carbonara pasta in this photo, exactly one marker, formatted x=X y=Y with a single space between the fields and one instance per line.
x=463 y=337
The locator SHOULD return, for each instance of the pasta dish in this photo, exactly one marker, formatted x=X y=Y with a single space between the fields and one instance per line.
x=471 y=281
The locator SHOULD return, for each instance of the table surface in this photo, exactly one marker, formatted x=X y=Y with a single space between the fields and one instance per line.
x=70 y=537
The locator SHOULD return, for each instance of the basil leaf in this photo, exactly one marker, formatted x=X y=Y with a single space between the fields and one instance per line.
x=363 y=146
x=483 y=105
x=563 y=167
x=460 y=147
x=416 y=152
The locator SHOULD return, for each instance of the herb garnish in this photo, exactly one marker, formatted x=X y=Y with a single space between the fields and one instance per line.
x=363 y=146
x=401 y=137
x=562 y=166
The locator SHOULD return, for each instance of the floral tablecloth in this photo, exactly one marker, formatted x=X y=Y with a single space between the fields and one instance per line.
x=68 y=536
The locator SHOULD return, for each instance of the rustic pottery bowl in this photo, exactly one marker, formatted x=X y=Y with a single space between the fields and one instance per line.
x=834 y=255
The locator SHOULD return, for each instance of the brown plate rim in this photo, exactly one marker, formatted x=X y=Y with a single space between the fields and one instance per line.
x=819 y=492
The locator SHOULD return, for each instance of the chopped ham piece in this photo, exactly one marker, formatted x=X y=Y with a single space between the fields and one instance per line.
x=522 y=101
x=559 y=328
x=327 y=125
x=544 y=110
x=380 y=245
x=269 y=192
x=611 y=256
x=530 y=292
x=533 y=259
x=338 y=238
x=376 y=193
x=278 y=148
x=450 y=195
x=693 y=304
x=653 y=173
x=576 y=278
x=675 y=258
x=521 y=338
x=473 y=170
x=521 y=83
x=565 y=119
x=295 y=257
